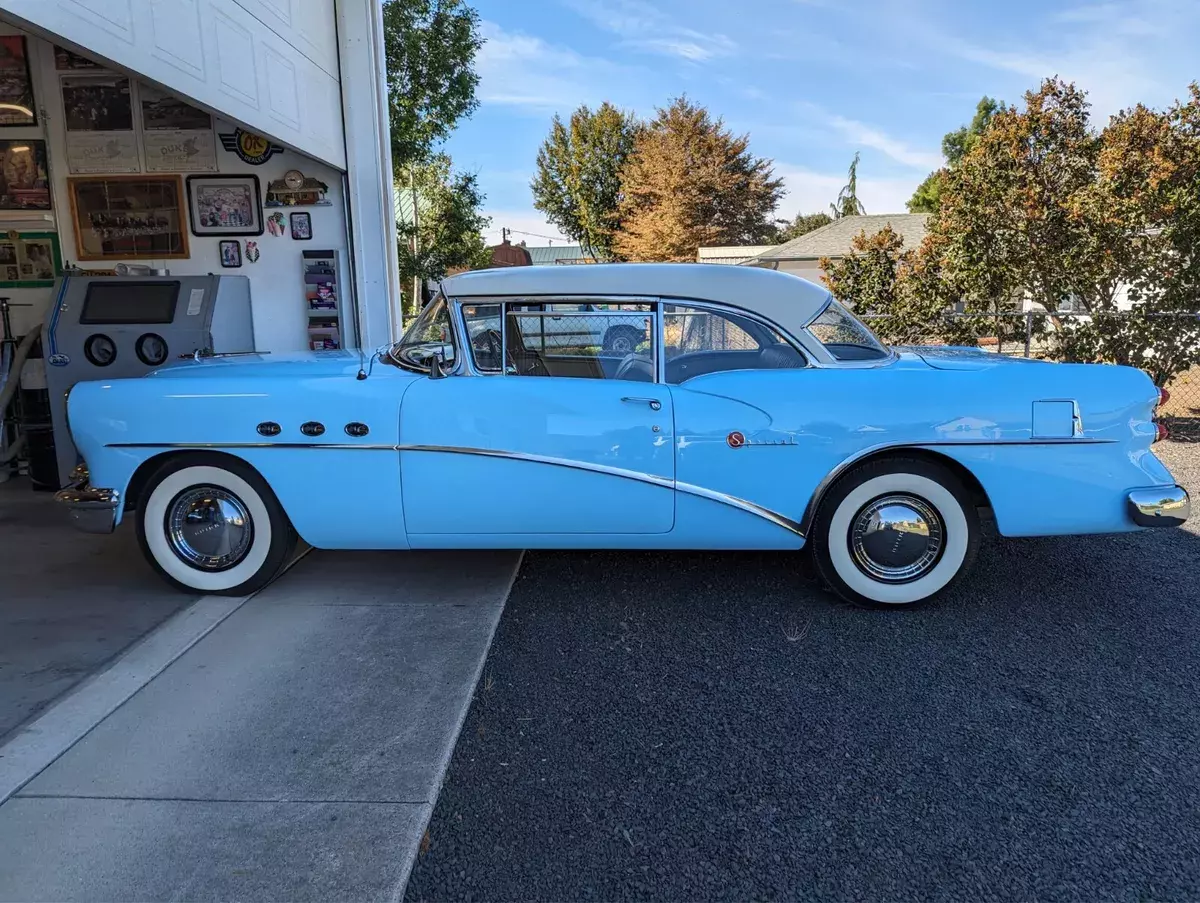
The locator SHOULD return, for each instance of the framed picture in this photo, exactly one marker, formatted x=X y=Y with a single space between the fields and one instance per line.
x=16 y=85
x=231 y=254
x=225 y=205
x=31 y=260
x=128 y=217
x=302 y=226
x=24 y=179
x=97 y=103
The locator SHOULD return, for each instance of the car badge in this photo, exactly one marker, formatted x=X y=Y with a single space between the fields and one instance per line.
x=736 y=439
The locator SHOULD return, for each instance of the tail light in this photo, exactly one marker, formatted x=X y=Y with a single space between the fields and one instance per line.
x=1163 y=396
x=1163 y=432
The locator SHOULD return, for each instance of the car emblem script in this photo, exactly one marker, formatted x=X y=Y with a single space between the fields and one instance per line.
x=735 y=439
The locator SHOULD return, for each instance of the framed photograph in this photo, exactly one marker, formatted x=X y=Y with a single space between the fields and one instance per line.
x=231 y=254
x=16 y=85
x=97 y=103
x=66 y=61
x=302 y=226
x=162 y=111
x=31 y=260
x=128 y=217
x=24 y=178
x=225 y=205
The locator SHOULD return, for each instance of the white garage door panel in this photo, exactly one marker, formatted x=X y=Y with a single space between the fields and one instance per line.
x=271 y=64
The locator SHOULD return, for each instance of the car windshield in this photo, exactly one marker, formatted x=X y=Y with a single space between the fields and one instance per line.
x=845 y=337
x=429 y=334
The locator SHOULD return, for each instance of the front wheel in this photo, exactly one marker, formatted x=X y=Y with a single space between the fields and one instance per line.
x=211 y=524
x=895 y=532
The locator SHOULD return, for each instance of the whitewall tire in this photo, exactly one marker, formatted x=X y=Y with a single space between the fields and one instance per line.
x=211 y=524
x=895 y=532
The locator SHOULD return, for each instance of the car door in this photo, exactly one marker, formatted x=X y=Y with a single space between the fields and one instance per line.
x=559 y=443
x=739 y=471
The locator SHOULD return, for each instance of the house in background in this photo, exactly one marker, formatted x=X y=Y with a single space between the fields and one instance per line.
x=730 y=254
x=559 y=255
x=802 y=256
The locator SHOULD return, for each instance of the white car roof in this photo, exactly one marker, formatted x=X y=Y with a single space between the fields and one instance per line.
x=784 y=299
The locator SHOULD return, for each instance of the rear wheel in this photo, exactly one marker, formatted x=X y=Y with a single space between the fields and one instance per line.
x=895 y=532
x=211 y=524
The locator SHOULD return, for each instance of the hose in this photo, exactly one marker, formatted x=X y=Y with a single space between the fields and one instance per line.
x=9 y=455
x=14 y=376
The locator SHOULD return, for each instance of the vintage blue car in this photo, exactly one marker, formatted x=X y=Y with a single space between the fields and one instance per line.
x=750 y=411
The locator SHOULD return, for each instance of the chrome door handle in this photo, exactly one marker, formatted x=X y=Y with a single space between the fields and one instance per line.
x=655 y=404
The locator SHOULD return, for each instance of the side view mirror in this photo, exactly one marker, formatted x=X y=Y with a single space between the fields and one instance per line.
x=437 y=361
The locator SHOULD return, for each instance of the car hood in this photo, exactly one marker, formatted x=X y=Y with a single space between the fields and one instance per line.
x=950 y=357
x=298 y=365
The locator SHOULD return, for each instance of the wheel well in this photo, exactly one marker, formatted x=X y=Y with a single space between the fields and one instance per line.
x=969 y=480
x=145 y=470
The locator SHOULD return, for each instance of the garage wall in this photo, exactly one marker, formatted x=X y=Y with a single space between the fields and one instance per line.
x=277 y=284
x=271 y=65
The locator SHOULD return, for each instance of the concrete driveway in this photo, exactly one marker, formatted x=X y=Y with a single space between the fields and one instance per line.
x=69 y=602
x=293 y=752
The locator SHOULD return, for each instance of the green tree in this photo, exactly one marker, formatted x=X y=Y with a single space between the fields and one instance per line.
x=578 y=181
x=877 y=281
x=430 y=47
x=955 y=146
x=447 y=235
x=847 y=203
x=803 y=224
x=691 y=182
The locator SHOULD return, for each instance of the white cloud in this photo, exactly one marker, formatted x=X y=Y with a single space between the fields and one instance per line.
x=813 y=192
x=859 y=133
x=652 y=30
x=519 y=70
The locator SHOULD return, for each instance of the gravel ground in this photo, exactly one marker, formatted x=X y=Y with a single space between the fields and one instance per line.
x=712 y=726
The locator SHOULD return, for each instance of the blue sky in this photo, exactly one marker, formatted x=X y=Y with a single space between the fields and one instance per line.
x=811 y=81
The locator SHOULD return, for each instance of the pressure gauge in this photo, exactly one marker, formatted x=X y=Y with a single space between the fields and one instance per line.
x=100 y=350
x=293 y=179
x=151 y=349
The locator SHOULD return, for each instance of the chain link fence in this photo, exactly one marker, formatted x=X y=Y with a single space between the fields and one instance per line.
x=1036 y=335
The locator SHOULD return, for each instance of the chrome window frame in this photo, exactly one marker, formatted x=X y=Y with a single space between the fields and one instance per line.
x=456 y=334
x=730 y=310
x=654 y=314
x=828 y=360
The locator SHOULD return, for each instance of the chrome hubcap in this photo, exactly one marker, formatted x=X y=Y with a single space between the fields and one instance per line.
x=209 y=528
x=896 y=538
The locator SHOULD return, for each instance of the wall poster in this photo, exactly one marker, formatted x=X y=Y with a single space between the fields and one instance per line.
x=99 y=117
x=16 y=85
x=24 y=178
x=30 y=260
x=176 y=136
x=128 y=217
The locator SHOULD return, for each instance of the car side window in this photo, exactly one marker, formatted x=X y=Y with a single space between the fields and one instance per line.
x=697 y=341
x=577 y=340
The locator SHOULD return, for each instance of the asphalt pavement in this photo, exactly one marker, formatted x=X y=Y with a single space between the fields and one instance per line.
x=714 y=726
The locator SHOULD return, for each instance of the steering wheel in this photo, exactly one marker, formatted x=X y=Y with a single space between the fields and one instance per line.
x=632 y=363
x=492 y=345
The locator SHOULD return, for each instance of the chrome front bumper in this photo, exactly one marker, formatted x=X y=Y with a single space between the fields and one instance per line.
x=1162 y=507
x=92 y=510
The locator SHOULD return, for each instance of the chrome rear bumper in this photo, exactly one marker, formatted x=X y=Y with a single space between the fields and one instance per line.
x=92 y=510
x=1162 y=507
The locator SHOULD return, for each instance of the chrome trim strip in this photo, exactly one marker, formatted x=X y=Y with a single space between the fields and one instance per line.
x=343 y=446
x=639 y=476
x=733 y=501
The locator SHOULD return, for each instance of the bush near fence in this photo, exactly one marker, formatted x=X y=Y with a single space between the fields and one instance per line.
x=1032 y=334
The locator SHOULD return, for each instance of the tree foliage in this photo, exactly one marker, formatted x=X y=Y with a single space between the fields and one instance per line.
x=847 y=203
x=430 y=47
x=955 y=146
x=786 y=230
x=1044 y=211
x=578 y=180
x=449 y=228
x=691 y=182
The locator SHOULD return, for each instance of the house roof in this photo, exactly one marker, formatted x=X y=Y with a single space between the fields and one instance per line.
x=834 y=239
x=730 y=253
x=552 y=254
x=782 y=298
